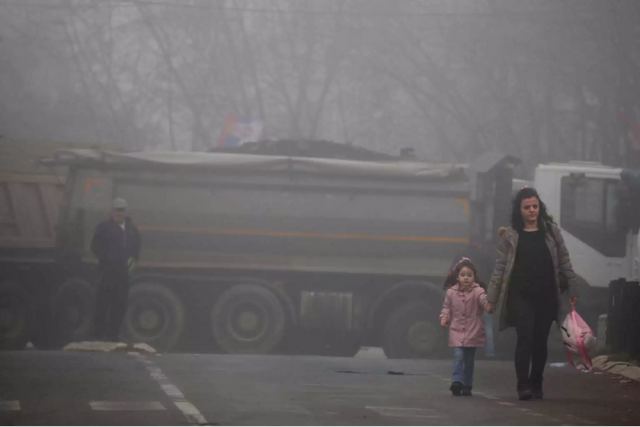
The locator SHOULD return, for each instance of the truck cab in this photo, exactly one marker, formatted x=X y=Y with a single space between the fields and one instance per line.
x=594 y=206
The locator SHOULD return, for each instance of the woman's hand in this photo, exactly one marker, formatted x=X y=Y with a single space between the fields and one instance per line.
x=489 y=308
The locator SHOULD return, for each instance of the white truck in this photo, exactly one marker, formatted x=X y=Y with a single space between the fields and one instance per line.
x=597 y=208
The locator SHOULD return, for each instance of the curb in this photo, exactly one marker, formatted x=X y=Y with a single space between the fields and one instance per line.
x=108 y=346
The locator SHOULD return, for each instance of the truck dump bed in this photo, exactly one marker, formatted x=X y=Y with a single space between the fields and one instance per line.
x=257 y=212
x=30 y=198
x=29 y=206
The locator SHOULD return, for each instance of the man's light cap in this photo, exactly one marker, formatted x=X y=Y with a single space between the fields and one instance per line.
x=120 y=203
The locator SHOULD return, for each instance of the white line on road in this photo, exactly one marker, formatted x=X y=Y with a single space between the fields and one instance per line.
x=580 y=420
x=107 y=405
x=529 y=411
x=172 y=391
x=389 y=411
x=9 y=405
x=485 y=395
x=340 y=386
x=189 y=410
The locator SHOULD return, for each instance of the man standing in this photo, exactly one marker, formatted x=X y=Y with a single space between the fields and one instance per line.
x=116 y=244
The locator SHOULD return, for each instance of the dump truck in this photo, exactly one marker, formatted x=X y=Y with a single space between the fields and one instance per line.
x=254 y=253
x=258 y=253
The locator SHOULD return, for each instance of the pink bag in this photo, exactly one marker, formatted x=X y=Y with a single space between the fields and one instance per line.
x=578 y=337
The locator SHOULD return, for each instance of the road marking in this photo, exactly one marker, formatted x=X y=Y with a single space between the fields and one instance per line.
x=172 y=391
x=580 y=420
x=340 y=394
x=389 y=411
x=107 y=405
x=485 y=395
x=528 y=411
x=9 y=405
x=191 y=413
x=293 y=409
x=334 y=386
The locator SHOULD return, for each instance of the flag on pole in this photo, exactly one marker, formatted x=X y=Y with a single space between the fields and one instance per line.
x=237 y=131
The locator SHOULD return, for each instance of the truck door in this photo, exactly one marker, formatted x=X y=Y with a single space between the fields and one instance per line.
x=590 y=216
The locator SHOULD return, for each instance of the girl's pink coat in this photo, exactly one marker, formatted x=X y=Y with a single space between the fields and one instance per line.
x=463 y=311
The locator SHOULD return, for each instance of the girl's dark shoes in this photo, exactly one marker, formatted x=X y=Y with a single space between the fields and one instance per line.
x=466 y=390
x=456 y=388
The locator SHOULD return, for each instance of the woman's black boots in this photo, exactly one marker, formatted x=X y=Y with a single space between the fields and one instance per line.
x=524 y=392
x=536 y=390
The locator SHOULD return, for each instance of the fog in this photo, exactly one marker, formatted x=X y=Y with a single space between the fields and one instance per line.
x=246 y=254
x=541 y=80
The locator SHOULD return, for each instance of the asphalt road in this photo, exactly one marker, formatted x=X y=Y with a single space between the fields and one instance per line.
x=89 y=388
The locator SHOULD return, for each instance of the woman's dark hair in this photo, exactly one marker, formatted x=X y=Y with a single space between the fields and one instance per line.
x=454 y=271
x=544 y=219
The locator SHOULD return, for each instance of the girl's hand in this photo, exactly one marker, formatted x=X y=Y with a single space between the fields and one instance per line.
x=489 y=308
x=444 y=322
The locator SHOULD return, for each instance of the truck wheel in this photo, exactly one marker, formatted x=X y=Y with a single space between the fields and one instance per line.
x=155 y=315
x=73 y=307
x=14 y=316
x=409 y=332
x=247 y=319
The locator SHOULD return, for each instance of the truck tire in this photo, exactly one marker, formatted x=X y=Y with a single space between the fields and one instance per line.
x=409 y=332
x=73 y=307
x=155 y=315
x=15 y=314
x=247 y=319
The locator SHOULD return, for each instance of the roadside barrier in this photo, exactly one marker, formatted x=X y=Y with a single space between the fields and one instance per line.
x=623 y=320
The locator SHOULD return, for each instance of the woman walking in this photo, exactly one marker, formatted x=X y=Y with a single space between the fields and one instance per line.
x=525 y=285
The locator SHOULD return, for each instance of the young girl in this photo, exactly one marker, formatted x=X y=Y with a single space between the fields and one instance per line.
x=464 y=304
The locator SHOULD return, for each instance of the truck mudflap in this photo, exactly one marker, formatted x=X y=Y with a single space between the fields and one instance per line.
x=73 y=308
x=15 y=316
x=329 y=324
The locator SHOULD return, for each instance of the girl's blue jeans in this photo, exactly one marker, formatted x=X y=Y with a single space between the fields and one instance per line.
x=463 y=361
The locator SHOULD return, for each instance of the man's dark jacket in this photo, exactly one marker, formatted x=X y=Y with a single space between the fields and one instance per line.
x=113 y=246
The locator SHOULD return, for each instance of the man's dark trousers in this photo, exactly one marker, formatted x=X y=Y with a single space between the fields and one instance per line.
x=111 y=303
